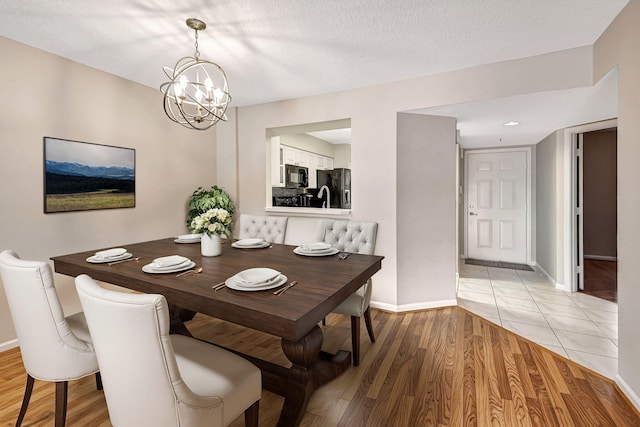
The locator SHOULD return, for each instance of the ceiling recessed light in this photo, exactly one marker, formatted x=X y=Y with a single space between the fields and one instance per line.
x=512 y=123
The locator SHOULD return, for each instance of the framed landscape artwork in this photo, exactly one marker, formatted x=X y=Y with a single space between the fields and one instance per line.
x=82 y=176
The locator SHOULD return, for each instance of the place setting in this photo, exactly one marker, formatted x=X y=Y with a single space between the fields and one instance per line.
x=170 y=264
x=253 y=243
x=188 y=238
x=111 y=256
x=254 y=279
x=315 y=249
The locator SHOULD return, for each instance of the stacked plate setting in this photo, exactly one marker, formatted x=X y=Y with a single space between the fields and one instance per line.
x=188 y=238
x=169 y=264
x=250 y=244
x=256 y=279
x=109 y=255
x=316 y=249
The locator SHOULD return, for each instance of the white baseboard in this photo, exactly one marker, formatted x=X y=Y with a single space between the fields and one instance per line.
x=8 y=345
x=601 y=257
x=559 y=286
x=414 y=306
x=631 y=395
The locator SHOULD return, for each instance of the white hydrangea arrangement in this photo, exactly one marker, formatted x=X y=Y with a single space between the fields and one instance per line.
x=214 y=221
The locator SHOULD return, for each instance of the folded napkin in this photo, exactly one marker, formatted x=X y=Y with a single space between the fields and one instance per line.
x=110 y=253
x=249 y=242
x=318 y=246
x=256 y=275
x=169 y=261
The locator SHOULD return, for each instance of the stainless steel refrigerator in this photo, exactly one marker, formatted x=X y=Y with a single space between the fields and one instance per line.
x=338 y=181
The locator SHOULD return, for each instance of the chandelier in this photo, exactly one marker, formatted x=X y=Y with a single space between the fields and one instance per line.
x=196 y=95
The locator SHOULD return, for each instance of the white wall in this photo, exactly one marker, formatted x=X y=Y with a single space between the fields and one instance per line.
x=46 y=95
x=618 y=47
x=373 y=113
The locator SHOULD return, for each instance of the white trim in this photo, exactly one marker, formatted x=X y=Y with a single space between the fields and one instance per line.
x=8 y=345
x=557 y=285
x=414 y=306
x=635 y=400
x=527 y=149
x=569 y=237
x=601 y=257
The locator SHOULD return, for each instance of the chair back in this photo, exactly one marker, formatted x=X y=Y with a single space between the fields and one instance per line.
x=50 y=349
x=140 y=375
x=350 y=236
x=270 y=228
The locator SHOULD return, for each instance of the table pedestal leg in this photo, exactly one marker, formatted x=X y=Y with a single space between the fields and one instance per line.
x=311 y=368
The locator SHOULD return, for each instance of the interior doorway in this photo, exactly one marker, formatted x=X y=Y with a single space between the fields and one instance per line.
x=598 y=152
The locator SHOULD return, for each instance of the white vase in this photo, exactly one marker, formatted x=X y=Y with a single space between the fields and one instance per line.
x=210 y=245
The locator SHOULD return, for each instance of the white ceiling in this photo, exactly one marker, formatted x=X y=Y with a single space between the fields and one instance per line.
x=280 y=49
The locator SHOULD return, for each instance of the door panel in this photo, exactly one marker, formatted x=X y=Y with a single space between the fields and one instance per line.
x=497 y=206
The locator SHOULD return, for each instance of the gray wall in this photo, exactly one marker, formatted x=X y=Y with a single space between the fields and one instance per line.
x=426 y=207
x=548 y=155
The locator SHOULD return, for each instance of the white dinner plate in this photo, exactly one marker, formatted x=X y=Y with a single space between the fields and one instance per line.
x=256 y=246
x=188 y=238
x=233 y=284
x=317 y=246
x=250 y=242
x=92 y=259
x=328 y=252
x=180 y=267
x=256 y=275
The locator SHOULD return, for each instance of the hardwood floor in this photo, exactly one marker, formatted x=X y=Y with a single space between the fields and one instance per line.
x=601 y=279
x=439 y=367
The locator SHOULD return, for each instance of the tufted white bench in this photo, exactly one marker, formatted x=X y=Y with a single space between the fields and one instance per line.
x=344 y=235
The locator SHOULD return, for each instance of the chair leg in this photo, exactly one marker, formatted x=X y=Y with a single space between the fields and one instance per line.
x=28 y=388
x=355 y=339
x=98 y=381
x=251 y=415
x=367 y=321
x=61 y=403
x=324 y=321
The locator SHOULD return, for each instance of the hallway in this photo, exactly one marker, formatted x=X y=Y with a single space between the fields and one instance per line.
x=578 y=326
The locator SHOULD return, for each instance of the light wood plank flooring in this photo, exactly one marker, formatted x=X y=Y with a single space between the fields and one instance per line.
x=440 y=367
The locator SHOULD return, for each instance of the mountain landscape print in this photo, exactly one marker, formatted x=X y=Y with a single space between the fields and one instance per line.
x=85 y=176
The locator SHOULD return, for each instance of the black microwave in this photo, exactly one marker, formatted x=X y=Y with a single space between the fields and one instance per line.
x=296 y=176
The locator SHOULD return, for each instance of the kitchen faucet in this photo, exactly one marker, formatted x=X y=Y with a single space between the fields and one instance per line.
x=321 y=193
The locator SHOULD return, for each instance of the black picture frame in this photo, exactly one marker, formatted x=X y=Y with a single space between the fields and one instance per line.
x=80 y=176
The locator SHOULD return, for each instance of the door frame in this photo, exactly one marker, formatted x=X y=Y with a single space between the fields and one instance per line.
x=528 y=198
x=573 y=231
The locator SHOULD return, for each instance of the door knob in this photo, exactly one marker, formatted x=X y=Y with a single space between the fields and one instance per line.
x=472 y=213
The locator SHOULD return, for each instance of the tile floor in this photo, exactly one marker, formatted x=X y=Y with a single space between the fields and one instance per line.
x=575 y=325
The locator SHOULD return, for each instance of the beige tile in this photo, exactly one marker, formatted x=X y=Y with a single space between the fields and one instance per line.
x=514 y=284
x=485 y=287
x=538 y=334
x=523 y=316
x=580 y=326
x=587 y=343
x=482 y=297
x=591 y=302
x=607 y=366
x=610 y=331
x=600 y=316
x=557 y=349
x=511 y=292
x=541 y=287
x=517 y=303
x=565 y=310
x=554 y=298
x=482 y=310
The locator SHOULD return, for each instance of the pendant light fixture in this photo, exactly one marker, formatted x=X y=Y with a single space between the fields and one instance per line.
x=196 y=95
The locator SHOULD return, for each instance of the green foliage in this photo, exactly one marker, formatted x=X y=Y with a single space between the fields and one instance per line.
x=202 y=200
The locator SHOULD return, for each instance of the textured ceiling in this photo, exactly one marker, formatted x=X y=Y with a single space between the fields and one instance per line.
x=280 y=49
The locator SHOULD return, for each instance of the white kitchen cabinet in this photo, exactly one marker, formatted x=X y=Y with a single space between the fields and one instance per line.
x=277 y=162
x=328 y=163
x=294 y=156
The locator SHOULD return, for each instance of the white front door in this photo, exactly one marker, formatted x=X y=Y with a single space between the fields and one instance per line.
x=497 y=203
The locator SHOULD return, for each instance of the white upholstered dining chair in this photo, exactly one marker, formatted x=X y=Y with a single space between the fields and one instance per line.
x=54 y=347
x=270 y=228
x=356 y=237
x=155 y=379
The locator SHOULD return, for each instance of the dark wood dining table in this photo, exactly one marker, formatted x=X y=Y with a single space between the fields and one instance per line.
x=323 y=282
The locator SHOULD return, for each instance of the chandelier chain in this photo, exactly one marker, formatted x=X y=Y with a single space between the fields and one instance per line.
x=197 y=54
